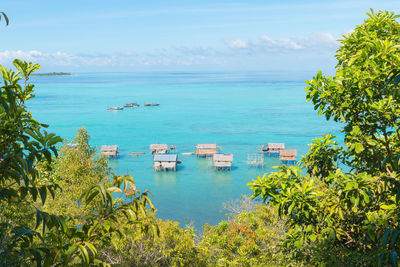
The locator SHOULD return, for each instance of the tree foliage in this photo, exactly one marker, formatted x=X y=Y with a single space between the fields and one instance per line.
x=337 y=217
x=76 y=170
x=250 y=237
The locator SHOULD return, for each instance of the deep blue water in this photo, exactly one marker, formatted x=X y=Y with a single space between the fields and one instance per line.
x=238 y=111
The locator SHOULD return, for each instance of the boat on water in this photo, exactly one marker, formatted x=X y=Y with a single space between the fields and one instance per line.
x=131 y=105
x=151 y=104
x=115 y=108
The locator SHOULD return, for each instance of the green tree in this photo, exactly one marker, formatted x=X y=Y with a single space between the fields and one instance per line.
x=363 y=95
x=250 y=237
x=76 y=170
x=352 y=218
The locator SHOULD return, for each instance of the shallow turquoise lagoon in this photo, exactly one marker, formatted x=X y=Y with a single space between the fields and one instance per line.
x=238 y=111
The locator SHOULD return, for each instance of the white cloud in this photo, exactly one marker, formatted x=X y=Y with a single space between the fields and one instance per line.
x=178 y=56
x=237 y=44
x=316 y=40
x=322 y=39
x=162 y=57
x=285 y=43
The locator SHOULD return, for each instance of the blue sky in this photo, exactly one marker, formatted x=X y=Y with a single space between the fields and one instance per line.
x=205 y=35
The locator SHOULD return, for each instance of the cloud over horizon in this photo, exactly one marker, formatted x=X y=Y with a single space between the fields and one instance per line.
x=230 y=53
x=265 y=44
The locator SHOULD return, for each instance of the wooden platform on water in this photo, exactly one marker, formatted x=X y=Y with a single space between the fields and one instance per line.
x=110 y=151
x=273 y=149
x=164 y=162
x=256 y=159
x=223 y=161
x=206 y=149
x=288 y=156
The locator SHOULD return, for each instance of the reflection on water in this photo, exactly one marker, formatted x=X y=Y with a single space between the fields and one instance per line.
x=165 y=177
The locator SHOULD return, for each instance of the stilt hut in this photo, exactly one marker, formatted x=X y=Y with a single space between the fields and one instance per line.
x=206 y=150
x=273 y=148
x=165 y=162
x=111 y=151
x=159 y=148
x=223 y=161
x=288 y=155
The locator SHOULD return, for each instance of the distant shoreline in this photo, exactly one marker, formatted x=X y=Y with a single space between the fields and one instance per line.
x=52 y=74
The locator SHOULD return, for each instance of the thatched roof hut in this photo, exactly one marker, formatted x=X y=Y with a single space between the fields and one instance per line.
x=223 y=161
x=111 y=151
x=165 y=162
x=159 y=148
x=288 y=155
x=273 y=148
x=207 y=149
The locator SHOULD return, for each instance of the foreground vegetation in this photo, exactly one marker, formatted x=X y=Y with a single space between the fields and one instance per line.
x=62 y=205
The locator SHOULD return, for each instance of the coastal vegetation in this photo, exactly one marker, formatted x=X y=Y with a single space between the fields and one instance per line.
x=61 y=204
x=345 y=209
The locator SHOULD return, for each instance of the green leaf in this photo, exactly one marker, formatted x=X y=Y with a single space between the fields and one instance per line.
x=43 y=194
x=394 y=238
x=393 y=258
x=85 y=254
x=359 y=147
x=385 y=237
x=114 y=190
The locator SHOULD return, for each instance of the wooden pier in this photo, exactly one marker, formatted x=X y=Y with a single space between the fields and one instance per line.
x=165 y=162
x=223 y=161
x=288 y=155
x=256 y=159
x=110 y=151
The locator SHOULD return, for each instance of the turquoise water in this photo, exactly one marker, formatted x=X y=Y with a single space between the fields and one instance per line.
x=238 y=111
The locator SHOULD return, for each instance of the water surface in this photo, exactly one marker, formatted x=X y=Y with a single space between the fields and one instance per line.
x=238 y=111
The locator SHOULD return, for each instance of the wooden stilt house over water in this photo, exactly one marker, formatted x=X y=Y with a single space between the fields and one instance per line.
x=273 y=149
x=206 y=150
x=223 y=161
x=159 y=148
x=111 y=151
x=288 y=155
x=165 y=162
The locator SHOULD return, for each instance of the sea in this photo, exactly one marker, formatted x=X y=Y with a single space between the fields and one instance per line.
x=237 y=110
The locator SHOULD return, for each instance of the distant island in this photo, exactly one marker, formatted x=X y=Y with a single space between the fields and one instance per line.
x=52 y=74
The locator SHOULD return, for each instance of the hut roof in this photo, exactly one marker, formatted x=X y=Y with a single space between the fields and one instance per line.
x=288 y=153
x=165 y=157
x=158 y=146
x=207 y=146
x=223 y=157
x=109 y=148
x=276 y=145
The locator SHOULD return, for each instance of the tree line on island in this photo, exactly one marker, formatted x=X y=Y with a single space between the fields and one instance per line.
x=62 y=205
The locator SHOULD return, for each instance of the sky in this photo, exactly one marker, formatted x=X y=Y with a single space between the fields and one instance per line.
x=172 y=35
